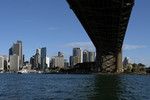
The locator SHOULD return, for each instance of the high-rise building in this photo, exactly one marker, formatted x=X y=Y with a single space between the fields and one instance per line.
x=23 y=59
x=14 y=62
x=37 y=59
x=85 y=56
x=91 y=56
x=43 y=58
x=71 y=61
x=5 y=62
x=57 y=61
x=10 y=52
x=60 y=54
x=47 y=61
x=76 y=60
x=66 y=64
x=1 y=63
x=17 y=49
x=38 y=51
x=20 y=53
x=78 y=52
x=88 y=56
x=32 y=62
x=126 y=61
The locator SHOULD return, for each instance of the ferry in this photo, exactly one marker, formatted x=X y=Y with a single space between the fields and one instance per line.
x=24 y=71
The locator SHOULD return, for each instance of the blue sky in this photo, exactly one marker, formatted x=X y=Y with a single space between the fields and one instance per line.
x=51 y=23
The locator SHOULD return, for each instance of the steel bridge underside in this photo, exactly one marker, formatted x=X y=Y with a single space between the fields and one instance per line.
x=105 y=21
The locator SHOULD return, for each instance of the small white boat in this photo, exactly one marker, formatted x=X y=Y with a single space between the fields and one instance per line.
x=24 y=71
x=1 y=72
x=39 y=72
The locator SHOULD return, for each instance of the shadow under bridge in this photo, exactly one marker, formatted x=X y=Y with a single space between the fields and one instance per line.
x=105 y=21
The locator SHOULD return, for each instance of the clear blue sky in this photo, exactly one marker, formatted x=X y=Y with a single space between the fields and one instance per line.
x=51 y=23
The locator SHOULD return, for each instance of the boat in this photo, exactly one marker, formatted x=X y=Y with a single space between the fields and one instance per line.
x=24 y=71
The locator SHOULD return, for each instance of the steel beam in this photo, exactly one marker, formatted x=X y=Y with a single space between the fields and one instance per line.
x=105 y=21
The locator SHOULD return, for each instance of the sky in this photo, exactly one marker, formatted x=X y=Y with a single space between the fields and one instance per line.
x=52 y=24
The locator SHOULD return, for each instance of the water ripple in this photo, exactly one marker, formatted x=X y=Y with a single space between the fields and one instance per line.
x=74 y=87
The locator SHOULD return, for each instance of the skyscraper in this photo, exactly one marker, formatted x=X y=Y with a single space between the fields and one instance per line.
x=91 y=56
x=17 y=49
x=71 y=61
x=43 y=58
x=1 y=63
x=37 y=60
x=38 y=51
x=23 y=59
x=66 y=64
x=60 y=54
x=78 y=52
x=57 y=61
x=5 y=62
x=76 y=60
x=126 y=61
x=47 y=61
x=10 y=52
x=20 y=53
x=14 y=62
x=32 y=62
x=88 y=56
x=85 y=56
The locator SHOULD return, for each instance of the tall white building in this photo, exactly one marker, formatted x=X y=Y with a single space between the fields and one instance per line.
x=1 y=63
x=78 y=52
x=14 y=62
x=48 y=61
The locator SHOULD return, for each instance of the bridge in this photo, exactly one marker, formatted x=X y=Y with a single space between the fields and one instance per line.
x=105 y=21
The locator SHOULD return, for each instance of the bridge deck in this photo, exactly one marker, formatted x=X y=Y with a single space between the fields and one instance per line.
x=105 y=21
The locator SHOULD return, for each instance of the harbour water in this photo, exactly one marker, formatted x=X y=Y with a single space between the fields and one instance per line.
x=74 y=87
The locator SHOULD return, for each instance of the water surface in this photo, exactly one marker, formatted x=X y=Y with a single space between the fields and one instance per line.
x=74 y=87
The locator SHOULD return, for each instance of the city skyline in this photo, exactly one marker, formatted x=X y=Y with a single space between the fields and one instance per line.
x=54 y=25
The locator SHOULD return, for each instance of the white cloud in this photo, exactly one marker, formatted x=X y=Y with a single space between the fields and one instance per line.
x=132 y=47
x=90 y=46
x=83 y=45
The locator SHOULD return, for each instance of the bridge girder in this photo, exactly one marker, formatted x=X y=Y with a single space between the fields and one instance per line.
x=105 y=21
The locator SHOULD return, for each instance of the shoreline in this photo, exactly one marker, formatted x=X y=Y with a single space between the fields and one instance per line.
x=137 y=73
x=120 y=73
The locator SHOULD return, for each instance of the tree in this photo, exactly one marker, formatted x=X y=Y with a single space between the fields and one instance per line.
x=141 y=65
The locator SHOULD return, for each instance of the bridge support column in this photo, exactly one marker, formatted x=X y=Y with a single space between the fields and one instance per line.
x=119 y=62
x=109 y=63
